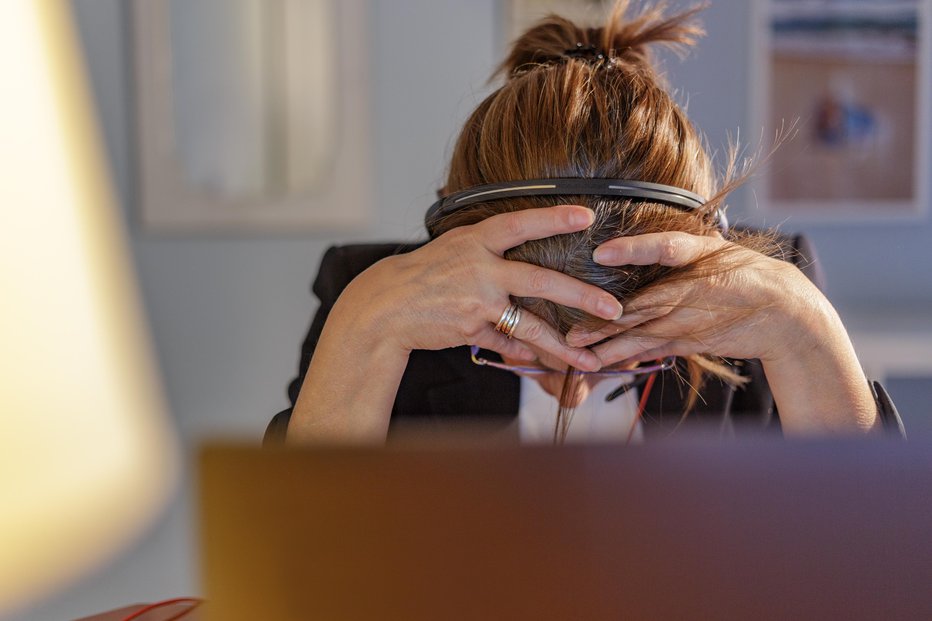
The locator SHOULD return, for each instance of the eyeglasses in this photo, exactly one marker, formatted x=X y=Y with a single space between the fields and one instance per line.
x=663 y=365
x=639 y=374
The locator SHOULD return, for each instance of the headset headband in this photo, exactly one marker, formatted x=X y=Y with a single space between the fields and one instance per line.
x=624 y=188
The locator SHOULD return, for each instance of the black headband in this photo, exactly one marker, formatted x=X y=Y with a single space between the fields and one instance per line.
x=624 y=188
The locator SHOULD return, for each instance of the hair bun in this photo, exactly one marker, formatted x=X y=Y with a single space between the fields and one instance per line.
x=624 y=39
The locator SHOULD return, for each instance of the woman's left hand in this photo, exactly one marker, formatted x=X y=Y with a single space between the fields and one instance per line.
x=743 y=309
x=748 y=306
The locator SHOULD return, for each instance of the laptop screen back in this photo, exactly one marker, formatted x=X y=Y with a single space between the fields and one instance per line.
x=769 y=530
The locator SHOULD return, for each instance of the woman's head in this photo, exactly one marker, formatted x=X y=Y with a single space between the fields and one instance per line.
x=588 y=103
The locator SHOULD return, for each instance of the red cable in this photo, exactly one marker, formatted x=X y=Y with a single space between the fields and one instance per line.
x=168 y=602
x=641 y=405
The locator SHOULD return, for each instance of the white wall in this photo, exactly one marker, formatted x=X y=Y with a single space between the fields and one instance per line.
x=867 y=265
x=228 y=313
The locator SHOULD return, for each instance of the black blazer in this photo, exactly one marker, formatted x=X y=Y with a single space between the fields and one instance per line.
x=446 y=384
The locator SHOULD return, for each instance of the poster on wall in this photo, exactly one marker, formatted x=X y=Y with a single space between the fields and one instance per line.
x=847 y=84
x=246 y=119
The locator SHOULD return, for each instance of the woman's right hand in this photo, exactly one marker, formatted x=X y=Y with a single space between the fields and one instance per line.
x=453 y=290
x=450 y=292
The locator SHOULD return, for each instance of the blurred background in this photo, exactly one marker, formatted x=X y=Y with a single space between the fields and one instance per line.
x=225 y=244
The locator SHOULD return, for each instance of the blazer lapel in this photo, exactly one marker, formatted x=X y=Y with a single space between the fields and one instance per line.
x=665 y=410
x=469 y=390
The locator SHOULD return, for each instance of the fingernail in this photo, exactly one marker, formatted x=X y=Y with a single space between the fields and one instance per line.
x=582 y=217
x=605 y=255
x=610 y=308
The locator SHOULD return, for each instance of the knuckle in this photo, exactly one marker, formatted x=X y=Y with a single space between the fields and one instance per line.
x=644 y=342
x=473 y=333
x=539 y=280
x=533 y=332
x=461 y=239
x=562 y=218
x=722 y=279
x=589 y=300
x=453 y=235
x=580 y=358
x=471 y=307
x=669 y=250
x=513 y=224
x=645 y=308
x=450 y=245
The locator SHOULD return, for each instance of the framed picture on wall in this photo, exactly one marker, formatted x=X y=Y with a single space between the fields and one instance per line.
x=846 y=83
x=252 y=117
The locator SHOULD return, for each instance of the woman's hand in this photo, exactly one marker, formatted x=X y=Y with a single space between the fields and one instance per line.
x=750 y=306
x=453 y=290
x=450 y=292
x=744 y=308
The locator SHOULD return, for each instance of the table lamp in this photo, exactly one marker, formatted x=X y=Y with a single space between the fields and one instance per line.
x=87 y=454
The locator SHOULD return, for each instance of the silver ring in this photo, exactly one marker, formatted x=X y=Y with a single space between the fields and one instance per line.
x=509 y=320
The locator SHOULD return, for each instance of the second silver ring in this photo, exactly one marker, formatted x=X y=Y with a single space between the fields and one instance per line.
x=509 y=320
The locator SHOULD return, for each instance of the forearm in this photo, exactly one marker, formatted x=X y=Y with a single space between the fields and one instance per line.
x=350 y=386
x=444 y=294
x=818 y=385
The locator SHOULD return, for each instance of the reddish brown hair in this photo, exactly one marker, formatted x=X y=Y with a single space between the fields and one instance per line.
x=560 y=115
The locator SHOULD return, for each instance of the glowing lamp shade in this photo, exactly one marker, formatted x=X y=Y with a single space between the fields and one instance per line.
x=87 y=456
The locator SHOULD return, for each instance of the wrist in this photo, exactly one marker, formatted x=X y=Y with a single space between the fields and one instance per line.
x=352 y=379
x=367 y=315
x=807 y=325
x=816 y=377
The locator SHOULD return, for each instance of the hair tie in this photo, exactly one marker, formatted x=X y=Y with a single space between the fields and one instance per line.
x=588 y=52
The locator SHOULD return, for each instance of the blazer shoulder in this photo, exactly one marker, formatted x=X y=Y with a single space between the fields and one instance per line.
x=805 y=258
x=341 y=264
